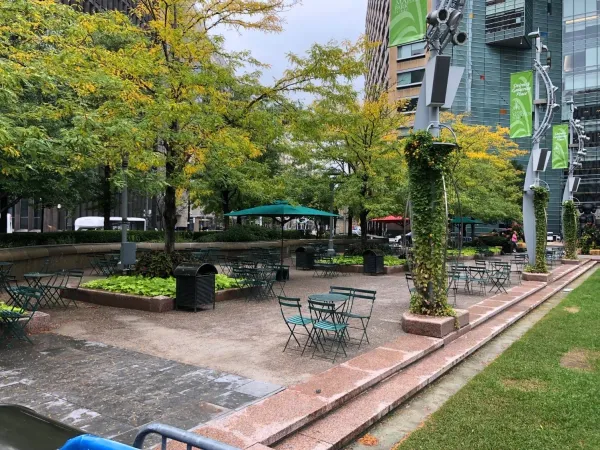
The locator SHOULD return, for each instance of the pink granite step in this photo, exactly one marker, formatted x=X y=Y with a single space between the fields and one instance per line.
x=346 y=423
x=280 y=416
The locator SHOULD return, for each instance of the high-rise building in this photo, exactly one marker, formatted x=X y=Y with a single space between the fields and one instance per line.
x=581 y=83
x=498 y=46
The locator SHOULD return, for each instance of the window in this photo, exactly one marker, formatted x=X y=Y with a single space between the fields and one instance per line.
x=410 y=78
x=24 y=215
x=411 y=50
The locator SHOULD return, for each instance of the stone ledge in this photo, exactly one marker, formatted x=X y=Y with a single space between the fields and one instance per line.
x=438 y=327
x=158 y=304
x=570 y=262
x=543 y=277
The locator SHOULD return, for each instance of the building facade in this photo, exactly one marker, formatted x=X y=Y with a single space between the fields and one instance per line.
x=498 y=45
x=581 y=84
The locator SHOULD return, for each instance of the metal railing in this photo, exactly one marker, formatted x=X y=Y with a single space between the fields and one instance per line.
x=167 y=432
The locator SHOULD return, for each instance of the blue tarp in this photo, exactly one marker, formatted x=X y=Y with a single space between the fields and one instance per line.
x=90 y=442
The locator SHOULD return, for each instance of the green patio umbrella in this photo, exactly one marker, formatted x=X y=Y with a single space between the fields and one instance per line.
x=282 y=212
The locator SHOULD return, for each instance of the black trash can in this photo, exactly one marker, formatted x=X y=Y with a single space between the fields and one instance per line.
x=305 y=258
x=373 y=262
x=195 y=286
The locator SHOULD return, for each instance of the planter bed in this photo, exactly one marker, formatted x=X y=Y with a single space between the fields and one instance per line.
x=437 y=327
x=158 y=304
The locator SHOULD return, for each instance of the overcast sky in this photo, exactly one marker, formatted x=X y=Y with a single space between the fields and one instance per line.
x=312 y=21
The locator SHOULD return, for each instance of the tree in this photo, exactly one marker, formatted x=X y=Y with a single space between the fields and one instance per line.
x=60 y=86
x=483 y=172
x=356 y=141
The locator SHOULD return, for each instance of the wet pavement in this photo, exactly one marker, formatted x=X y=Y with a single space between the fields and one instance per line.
x=112 y=392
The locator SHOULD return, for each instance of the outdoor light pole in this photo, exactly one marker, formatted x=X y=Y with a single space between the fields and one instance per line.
x=124 y=220
x=539 y=157
x=576 y=151
x=331 y=248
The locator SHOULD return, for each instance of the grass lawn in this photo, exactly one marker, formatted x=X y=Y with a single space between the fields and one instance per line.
x=527 y=399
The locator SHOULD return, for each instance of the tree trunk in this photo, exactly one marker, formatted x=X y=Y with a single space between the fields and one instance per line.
x=170 y=212
x=106 y=198
x=225 y=200
x=349 y=225
x=363 y=226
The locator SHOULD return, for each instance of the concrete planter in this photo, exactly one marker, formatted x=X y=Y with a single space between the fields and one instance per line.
x=358 y=268
x=437 y=327
x=543 y=277
x=570 y=262
x=157 y=304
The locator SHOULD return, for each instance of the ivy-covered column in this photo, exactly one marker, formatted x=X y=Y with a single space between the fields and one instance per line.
x=426 y=167
x=541 y=196
x=570 y=229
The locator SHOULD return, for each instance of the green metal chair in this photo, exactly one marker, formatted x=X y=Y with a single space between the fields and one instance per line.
x=325 y=324
x=478 y=278
x=13 y=323
x=360 y=311
x=293 y=319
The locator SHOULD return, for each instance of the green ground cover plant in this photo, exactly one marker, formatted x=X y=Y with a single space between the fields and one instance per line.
x=540 y=394
x=15 y=309
x=388 y=261
x=150 y=287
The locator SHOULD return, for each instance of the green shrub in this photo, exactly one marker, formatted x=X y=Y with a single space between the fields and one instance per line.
x=150 y=287
x=359 y=248
x=14 y=309
x=570 y=229
x=388 y=261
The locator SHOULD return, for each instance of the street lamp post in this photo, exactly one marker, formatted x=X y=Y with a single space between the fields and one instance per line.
x=538 y=160
x=330 y=248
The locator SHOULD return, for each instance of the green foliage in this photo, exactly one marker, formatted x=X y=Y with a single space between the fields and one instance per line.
x=150 y=287
x=158 y=264
x=492 y=241
x=427 y=164
x=359 y=248
x=541 y=196
x=250 y=233
x=472 y=251
x=570 y=229
x=590 y=238
x=526 y=399
x=388 y=261
x=14 y=309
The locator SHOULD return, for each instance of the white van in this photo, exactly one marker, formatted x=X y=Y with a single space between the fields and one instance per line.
x=97 y=223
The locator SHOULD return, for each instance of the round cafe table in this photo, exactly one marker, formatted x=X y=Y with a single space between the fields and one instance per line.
x=332 y=298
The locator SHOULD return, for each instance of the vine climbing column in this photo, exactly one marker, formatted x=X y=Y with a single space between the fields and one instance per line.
x=426 y=168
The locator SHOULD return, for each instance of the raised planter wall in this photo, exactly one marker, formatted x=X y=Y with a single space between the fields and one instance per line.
x=75 y=256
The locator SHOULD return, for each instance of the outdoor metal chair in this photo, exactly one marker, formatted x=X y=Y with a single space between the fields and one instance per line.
x=499 y=277
x=327 y=326
x=410 y=280
x=360 y=310
x=18 y=293
x=452 y=283
x=478 y=277
x=5 y=268
x=13 y=324
x=294 y=318
x=506 y=266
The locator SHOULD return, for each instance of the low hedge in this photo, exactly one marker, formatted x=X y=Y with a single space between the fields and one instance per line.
x=239 y=233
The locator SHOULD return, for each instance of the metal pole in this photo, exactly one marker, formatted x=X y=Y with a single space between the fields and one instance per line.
x=124 y=221
x=330 y=248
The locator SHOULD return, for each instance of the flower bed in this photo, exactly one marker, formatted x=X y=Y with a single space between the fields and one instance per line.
x=150 y=287
x=388 y=261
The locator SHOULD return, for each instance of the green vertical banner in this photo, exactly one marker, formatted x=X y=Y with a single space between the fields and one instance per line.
x=521 y=104
x=408 y=21
x=560 y=146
